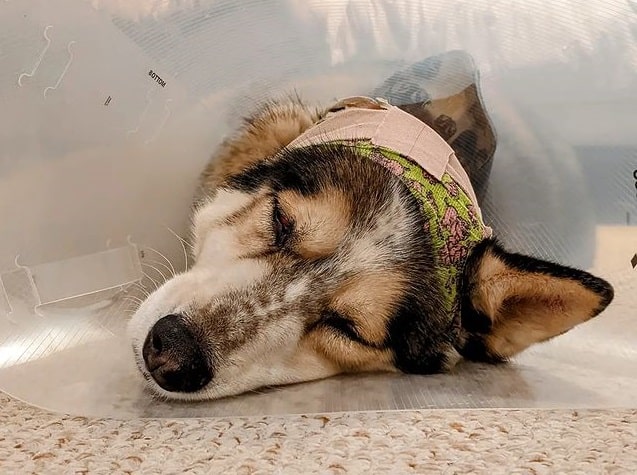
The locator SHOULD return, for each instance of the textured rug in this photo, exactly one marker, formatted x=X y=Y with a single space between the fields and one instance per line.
x=433 y=441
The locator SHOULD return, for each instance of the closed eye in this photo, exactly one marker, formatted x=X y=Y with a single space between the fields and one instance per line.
x=282 y=225
x=344 y=327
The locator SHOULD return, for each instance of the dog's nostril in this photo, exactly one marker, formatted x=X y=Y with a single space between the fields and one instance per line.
x=152 y=355
x=155 y=342
x=174 y=357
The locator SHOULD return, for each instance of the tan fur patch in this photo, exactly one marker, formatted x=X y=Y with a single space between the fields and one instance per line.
x=321 y=221
x=527 y=308
x=348 y=355
x=488 y=296
x=254 y=229
x=369 y=300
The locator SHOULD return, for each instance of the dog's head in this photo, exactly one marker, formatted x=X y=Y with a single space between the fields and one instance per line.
x=317 y=262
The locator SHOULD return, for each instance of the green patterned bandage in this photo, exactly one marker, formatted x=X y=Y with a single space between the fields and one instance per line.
x=452 y=221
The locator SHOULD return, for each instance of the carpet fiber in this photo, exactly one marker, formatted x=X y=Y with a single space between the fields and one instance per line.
x=435 y=441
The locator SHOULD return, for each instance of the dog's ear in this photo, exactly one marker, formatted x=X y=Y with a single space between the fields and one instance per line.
x=511 y=301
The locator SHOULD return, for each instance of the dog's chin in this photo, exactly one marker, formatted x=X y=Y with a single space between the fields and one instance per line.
x=212 y=391
x=161 y=394
x=228 y=385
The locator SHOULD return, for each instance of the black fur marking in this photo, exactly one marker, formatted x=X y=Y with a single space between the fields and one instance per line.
x=475 y=349
x=343 y=326
x=418 y=338
x=306 y=170
x=251 y=179
x=477 y=323
x=420 y=330
x=294 y=172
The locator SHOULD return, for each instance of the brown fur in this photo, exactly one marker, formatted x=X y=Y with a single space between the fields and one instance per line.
x=355 y=287
x=519 y=304
x=263 y=135
x=346 y=355
x=370 y=301
x=321 y=220
x=527 y=308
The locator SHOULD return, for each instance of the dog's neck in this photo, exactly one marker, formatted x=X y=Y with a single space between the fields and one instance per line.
x=426 y=164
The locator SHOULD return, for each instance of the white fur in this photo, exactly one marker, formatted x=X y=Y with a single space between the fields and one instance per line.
x=395 y=224
x=196 y=287
x=296 y=289
x=207 y=222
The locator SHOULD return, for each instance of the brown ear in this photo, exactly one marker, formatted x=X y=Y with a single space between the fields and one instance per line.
x=511 y=301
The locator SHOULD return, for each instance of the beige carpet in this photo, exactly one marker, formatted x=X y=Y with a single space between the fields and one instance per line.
x=467 y=441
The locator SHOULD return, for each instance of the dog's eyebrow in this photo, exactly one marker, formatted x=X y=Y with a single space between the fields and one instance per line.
x=251 y=179
x=237 y=215
x=298 y=169
x=297 y=172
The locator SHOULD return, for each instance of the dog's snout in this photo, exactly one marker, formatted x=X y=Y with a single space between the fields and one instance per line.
x=173 y=356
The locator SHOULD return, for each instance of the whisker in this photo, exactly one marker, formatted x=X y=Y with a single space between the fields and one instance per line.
x=134 y=298
x=151 y=279
x=172 y=269
x=266 y=390
x=141 y=288
x=133 y=301
x=138 y=284
x=156 y=270
x=140 y=296
x=184 y=243
x=256 y=391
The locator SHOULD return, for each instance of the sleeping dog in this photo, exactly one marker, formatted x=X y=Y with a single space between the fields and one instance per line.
x=346 y=240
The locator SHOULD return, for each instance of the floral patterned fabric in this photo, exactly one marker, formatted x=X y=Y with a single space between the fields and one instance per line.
x=452 y=221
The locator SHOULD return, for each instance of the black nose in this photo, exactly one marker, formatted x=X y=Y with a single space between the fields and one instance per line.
x=174 y=358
